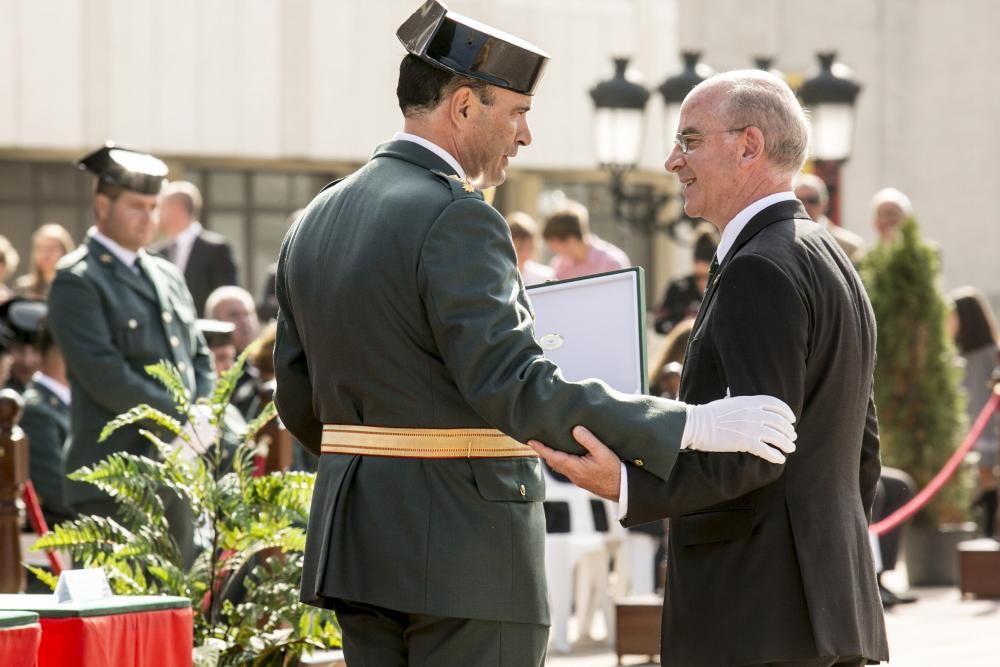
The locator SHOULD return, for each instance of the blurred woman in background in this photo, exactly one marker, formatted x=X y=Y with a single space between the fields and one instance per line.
x=8 y=266
x=974 y=329
x=48 y=244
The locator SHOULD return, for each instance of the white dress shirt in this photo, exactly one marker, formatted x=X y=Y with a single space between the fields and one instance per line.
x=729 y=235
x=433 y=148
x=124 y=255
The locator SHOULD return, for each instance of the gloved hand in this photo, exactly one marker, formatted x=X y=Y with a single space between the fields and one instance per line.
x=758 y=425
x=200 y=434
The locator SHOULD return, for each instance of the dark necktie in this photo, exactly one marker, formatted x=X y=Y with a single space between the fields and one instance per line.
x=712 y=269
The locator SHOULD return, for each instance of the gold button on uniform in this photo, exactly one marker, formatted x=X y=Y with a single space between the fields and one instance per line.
x=523 y=490
x=174 y=341
x=106 y=258
x=133 y=324
x=639 y=462
x=168 y=317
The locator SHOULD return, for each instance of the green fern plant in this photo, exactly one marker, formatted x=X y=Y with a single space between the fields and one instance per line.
x=917 y=382
x=254 y=530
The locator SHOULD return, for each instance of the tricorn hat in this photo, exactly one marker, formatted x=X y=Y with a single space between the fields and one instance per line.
x=126 y=168
x=216 y=332
x=461 y=45
x=21 y=321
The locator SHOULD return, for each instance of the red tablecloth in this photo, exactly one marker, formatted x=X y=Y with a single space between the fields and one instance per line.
x=160 y=638
x=19 y=645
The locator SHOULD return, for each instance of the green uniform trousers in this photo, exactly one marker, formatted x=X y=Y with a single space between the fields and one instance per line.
x=379 y=637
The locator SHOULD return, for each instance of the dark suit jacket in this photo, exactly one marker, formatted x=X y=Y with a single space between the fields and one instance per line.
x=110 y=323
x=400 y=305
x=210 y=265
x=46 y=423
x=776 y=557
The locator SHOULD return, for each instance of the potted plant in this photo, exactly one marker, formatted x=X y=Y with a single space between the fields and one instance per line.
x=243 y=583
x=918 y=395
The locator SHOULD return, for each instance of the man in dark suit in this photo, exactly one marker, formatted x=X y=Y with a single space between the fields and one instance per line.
x=785 y=314
x=113 y=310
x=405 y=355
x=205 y=258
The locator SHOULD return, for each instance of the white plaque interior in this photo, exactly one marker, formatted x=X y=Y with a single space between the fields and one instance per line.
x=594 y=327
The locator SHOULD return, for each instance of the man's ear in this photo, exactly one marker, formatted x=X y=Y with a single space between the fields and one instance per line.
x=753 y=146
x=461 y=106
x=102 y=205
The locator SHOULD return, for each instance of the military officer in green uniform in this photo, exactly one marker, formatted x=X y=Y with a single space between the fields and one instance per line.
x=113 y=309
x=405 y=355
x=45 y=419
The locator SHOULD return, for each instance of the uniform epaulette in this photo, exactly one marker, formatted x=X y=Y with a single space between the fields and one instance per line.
x=461 y=188
x=72 y=257
x=332 y=183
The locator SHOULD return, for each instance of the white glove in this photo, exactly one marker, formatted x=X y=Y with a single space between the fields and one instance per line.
x=201 y=434
x=758 y=425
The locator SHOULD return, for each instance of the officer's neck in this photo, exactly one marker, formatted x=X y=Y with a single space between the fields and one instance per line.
x=430 y=127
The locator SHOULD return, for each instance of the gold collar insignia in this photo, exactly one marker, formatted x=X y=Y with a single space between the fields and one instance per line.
x=466 y=185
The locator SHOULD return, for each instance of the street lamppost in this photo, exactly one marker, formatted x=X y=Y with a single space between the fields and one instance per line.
x=619 y=106
x=830 y=97
x=675 y=88
x=619 y=120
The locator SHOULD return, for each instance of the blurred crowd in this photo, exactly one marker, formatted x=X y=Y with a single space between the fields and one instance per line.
x=227 y=320
x=84 y=343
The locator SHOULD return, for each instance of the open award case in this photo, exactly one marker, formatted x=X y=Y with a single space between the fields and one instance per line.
x=595 y=327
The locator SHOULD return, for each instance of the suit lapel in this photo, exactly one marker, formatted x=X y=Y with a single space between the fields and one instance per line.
x=158 y=280
x=784 y=210
x=194 y=258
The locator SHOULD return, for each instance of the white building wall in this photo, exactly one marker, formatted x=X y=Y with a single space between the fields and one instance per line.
x=311 y=79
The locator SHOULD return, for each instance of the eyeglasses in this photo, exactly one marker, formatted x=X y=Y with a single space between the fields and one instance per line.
x=682 y=138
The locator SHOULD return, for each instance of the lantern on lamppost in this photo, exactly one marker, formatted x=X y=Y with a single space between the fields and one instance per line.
x=619 y=130
x=675 y=88
x=830 y=96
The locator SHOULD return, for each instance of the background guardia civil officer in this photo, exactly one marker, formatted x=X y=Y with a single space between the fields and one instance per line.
x=113 y=309
x=405 y=347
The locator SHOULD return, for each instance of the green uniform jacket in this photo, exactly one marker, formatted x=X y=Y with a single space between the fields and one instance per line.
x=400 y=305
x=46 y=423
x=110 y=323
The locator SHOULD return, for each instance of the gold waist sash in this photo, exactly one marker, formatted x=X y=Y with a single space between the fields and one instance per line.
x=421 y=443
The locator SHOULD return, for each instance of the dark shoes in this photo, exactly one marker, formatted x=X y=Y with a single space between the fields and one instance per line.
x=890 y=599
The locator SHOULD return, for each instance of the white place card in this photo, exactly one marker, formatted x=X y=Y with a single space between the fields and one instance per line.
x=85 y=585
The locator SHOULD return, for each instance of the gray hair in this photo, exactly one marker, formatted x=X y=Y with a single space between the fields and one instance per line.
x=187 y=193
x=762 y=100
x=228 y=293
x=815 y=182
x=892 y=196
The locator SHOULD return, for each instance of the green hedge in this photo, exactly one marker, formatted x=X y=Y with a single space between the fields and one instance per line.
x=921 y=407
